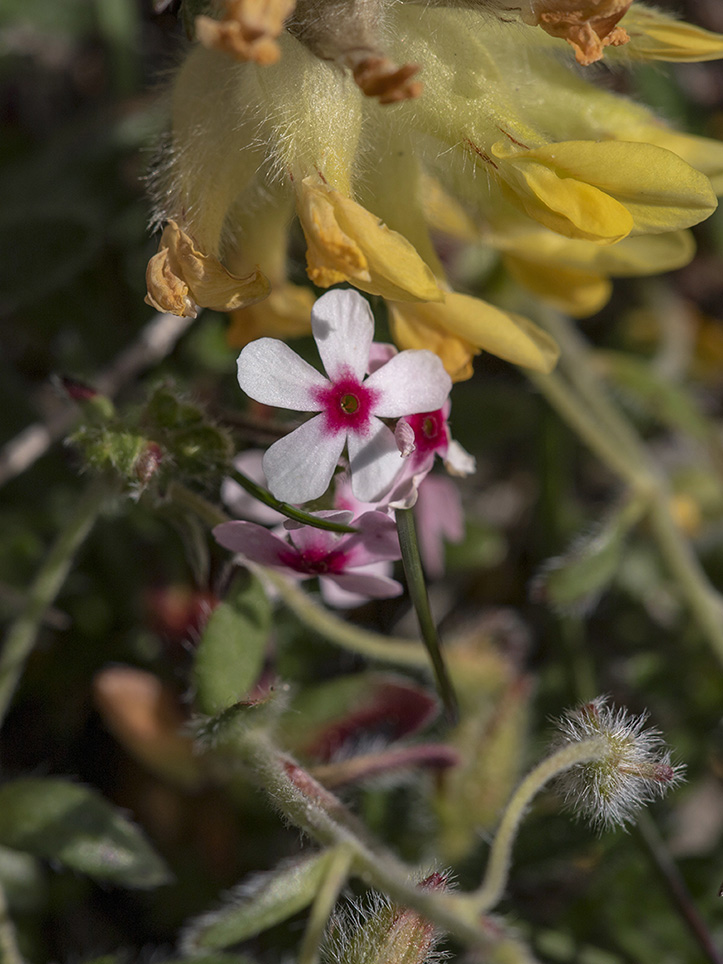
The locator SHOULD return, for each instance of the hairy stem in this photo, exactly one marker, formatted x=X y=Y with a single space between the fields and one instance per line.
x=706 y=605
x=498 y=866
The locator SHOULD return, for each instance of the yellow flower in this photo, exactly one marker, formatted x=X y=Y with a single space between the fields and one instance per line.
x=341 y=131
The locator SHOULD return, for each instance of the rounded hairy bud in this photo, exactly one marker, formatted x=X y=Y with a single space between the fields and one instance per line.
x=634 y=770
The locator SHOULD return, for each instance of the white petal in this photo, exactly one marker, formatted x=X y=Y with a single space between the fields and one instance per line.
x=413 y=381
x=374 y=462
x=271 y=373
x=343 y=327
x=299 y=466
x=458 y=461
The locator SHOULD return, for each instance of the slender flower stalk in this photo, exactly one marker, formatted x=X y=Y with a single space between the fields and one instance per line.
x=492 y=888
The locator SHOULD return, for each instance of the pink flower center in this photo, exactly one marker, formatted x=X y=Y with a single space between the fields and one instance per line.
x=430 y=434
x=314 y=561
x=347 y=405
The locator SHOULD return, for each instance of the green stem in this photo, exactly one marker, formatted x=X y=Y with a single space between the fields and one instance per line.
x=386 y=649
x=417 y=588
x=492 y=888
x=337 y=874
x=672 y=880
x=579 y=366
x=23 y=631
x=309 y=806
x=9 y=950
x=290 y=511
x=705 y=603
x=591 y=430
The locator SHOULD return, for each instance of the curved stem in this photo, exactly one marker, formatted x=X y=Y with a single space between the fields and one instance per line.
x=498 y=867
x=705 y=602
x=387 y=649
x=23 y=631
x=308 y=805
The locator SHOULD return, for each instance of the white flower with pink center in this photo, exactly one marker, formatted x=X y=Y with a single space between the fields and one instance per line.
x=350 y=405
x=351 y=567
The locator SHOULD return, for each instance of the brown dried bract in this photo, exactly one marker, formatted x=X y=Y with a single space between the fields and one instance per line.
x=248 y=29
x=379 y=77
x=587 y=25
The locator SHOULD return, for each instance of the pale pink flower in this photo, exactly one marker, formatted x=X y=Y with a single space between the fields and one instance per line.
x=347 y=564
x=299 y=467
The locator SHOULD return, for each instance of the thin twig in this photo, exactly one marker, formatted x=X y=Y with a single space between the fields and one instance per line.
x=155 y=341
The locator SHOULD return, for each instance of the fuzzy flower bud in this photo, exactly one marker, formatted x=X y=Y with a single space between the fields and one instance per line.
x=634 y=770
x=383 y=933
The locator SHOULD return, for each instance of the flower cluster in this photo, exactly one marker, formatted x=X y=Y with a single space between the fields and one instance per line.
x=367 y=384
x=387 y=125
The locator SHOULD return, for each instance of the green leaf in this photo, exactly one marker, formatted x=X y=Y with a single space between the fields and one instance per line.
x=231 y=652
x=59 y=820
x=265 y=901
x=577 y=579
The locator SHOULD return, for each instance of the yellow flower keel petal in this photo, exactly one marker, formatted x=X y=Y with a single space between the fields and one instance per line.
x=345 y=242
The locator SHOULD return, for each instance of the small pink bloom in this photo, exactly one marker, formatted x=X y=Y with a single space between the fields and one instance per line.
x=350 y=405
x=347 y=565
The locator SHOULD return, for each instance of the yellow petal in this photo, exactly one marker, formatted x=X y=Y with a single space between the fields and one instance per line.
x=180 y=279
x=577 y=293
x=413 y=326
x=657 y=188
x=482 y=326
x=631 y=257
x=443 y=213
x=560 y=201
x=286 y=313
x=345 y=242
x=702 y=153
x=655 y=35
